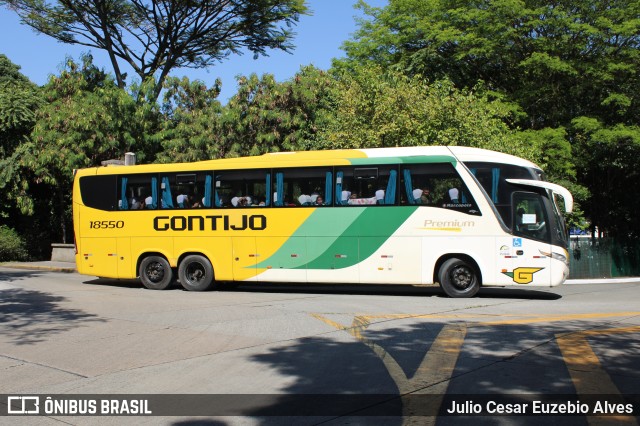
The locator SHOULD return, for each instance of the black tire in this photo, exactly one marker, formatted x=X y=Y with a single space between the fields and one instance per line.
x=196 y=273
x=459 y=278
x=155 y=273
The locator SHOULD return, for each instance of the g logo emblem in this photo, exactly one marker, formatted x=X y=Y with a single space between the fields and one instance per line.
x=522 y=275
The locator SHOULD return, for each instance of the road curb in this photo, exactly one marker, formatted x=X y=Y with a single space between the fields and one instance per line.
x=31 y=267
x=626 y=280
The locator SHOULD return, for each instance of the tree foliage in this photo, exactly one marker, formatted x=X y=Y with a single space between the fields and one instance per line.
x=559 y=65
x=85 y=120
x=19 y=99
x=153 y=37
x=266 y=116
x=378 y=108
x=12 y=246
x=190 y=129
x=557 y=60
x=608 y=165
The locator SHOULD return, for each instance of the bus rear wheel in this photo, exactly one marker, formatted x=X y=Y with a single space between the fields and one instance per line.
x=196 y=273
x=155 y=273
x=458 y=278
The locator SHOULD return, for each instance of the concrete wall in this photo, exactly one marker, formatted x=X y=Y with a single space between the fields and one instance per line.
x=63 y=253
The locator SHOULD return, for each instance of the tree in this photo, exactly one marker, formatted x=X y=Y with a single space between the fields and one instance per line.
x=608 y=164
x=19 y=101
x=378 y=108
x=266 y=116
x=154 y=37
x=87 y=119
x=263 y=116
x=555 y=60
x=190 y=129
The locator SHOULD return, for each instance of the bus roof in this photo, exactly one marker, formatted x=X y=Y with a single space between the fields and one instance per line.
x=467 y=154
x=331 y=157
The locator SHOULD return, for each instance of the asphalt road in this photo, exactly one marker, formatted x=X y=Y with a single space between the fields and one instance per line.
x=64 y=333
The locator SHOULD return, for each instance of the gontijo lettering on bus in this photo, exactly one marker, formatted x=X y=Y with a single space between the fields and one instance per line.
x=212 y=222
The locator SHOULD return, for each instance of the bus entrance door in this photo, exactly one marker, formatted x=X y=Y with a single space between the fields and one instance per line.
x=530 y=245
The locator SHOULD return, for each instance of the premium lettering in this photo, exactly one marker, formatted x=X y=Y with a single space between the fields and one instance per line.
x=210 y=223
x=449 y=223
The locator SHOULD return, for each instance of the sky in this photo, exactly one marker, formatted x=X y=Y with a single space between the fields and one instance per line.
x=318 y=40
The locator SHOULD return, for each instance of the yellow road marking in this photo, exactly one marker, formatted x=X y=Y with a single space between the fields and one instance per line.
x=432 y=375
x=514 y=319
x=556 y=318
x=587 y=373
x=435 y=370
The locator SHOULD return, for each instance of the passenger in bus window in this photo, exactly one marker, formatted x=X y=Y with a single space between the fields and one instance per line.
x=345 y=196
x=134 y=204
x=425 y=198
x=417 y=194
x=183 y=201
x=141 y=201
x=241 y=201
x=454 y=194
x=319 y=201
x=194 y=203
x=304 y=200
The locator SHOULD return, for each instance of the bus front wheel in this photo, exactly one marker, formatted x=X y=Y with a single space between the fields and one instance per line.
x=196 y=273
x=155 y=273
x=458 y=278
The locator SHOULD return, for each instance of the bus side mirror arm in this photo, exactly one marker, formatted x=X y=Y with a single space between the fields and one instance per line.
x=557 y=189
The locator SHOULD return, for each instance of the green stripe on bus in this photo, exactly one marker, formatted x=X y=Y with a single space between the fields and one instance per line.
x=416 y=159
x=362 y=238
x=324 y=226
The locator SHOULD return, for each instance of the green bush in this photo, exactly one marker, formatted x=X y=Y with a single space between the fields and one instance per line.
x=12 y=247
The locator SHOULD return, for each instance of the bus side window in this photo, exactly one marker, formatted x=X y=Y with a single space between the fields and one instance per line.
x=241 y=188
x=100 y=192
x=366 y=186
x=135 y=191
x=437 y=185
x=184 y=190
x=303 y=187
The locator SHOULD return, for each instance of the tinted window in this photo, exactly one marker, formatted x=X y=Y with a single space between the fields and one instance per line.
x=99 y=192
x=530 y=218
x=368 y=185
x=241 y=188
x=185 y=190
x=302 y=187
x=493 y=176
x=437 y=185
x=135 y=192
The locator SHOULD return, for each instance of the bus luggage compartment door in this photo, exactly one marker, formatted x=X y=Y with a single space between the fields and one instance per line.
x=99 y=257
x=244 y=258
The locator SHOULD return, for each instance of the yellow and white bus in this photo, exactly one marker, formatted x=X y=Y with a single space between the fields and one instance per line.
x=461 y=217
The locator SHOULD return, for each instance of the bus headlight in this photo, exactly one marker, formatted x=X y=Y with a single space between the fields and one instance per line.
x=564 y=258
